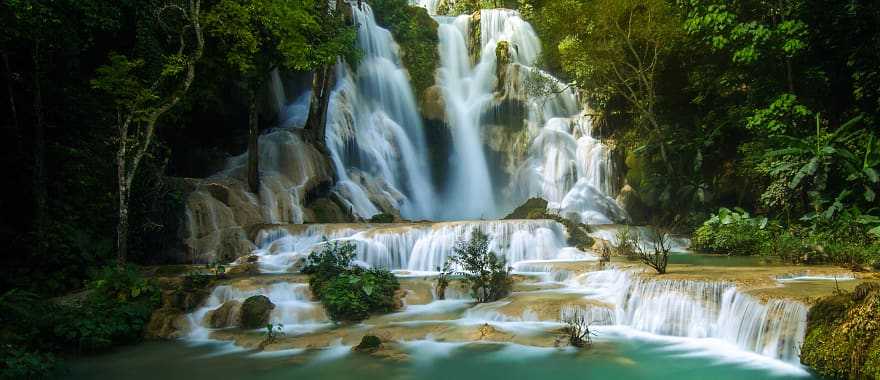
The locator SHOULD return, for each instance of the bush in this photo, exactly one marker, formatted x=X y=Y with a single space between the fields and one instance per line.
x=732 y=233
x=325 y=265
x=349 y=294
x=17 y=363
x=382 y=218
x=485 y=273
x=354 y=295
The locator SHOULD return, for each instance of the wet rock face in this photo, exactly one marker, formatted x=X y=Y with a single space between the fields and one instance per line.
x=224 y=316
x=843 y=335
x=255 y=312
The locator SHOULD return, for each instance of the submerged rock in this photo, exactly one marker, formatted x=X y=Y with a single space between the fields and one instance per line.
x=255 y=312
x=843 y=335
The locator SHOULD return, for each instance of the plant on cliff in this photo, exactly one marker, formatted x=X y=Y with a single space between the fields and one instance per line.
x=349 y=293
x=485 y=273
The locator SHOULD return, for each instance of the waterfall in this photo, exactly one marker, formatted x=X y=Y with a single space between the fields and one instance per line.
x=418 y=247
x=696 y=309
x=562 y=163
x=374 y=130
x=467 y=93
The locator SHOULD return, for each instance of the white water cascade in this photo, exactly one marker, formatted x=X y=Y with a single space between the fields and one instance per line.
x=418 y=247
x=374 y=132
x=555 y=157
x=696 y=309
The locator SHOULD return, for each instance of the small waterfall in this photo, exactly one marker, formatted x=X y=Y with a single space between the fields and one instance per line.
x=374 y=129
x=697 y=309
x=420 y=247
x=293 y=307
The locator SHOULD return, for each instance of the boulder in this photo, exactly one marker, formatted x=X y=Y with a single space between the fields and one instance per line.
x=369 y=344
x=223 y=316
x=255 y=312
x=166 y=323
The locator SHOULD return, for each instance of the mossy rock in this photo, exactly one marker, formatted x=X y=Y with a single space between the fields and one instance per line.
x=534 y=208
x=369 y=344
x=843 y=335
x=327 y=211
x=382 y=218
x=255 y=312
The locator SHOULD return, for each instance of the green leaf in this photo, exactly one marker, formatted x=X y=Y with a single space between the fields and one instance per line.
x=368 y=289
x=808 y=169
x=875 y=231
x=871 y=174
x=869 y=194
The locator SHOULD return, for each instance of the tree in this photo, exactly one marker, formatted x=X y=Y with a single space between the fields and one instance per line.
x=259 y=36
x=620 y=55
x=140 y=101
x=657 y=255
x=485 y=273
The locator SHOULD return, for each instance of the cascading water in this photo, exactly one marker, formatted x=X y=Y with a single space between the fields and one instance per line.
x=374 y=129
x=419 y=247
x=561 y=163
x=696 y=309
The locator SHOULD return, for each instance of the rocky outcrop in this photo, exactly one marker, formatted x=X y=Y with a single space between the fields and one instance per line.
x=221 y=209
x=255 y=312
x=224 y=316
x=629 y=200
x=843 y=335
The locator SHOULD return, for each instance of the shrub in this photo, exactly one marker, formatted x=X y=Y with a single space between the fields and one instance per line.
x=382 y=218
x=626 y=243
x=349 y=294
x=355 y=294
x=485 y=273
x=732 y=233
x=325 y=265
x=18 y=363
x=656 y=256
x=577 y=327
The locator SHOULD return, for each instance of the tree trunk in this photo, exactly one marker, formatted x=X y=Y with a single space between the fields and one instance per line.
x=13 y=112
x=39 y=170
x=322 y=86
x=253 y=144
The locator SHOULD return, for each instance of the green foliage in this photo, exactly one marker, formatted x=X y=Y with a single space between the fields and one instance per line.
x=485 y=273
x=416 y=34
x=732 y=232
x=323 y=266
x=349 y=293
x=258 y=36
x=382 y=218
x=356 y=294
x=842 y=335
x=17 y=363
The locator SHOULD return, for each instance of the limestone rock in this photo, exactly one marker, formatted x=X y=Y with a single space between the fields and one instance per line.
x=166 y=323
x=223 y=316
x=630 y=201
x=369 y=344
x=255 y=312
x=432 y=105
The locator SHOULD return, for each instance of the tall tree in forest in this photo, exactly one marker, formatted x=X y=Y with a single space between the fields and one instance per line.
x=620 y=54
x=140 y=101
x=259 y=36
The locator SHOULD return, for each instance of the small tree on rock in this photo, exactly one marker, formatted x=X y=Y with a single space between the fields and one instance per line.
x=485 y=273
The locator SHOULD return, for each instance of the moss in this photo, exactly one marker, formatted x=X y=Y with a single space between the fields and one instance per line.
x=255 y=312
x=536 y=208
x=369 y=343
x=416 y=34
x=842 y=335
x=327 y=211
x=382 y=218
